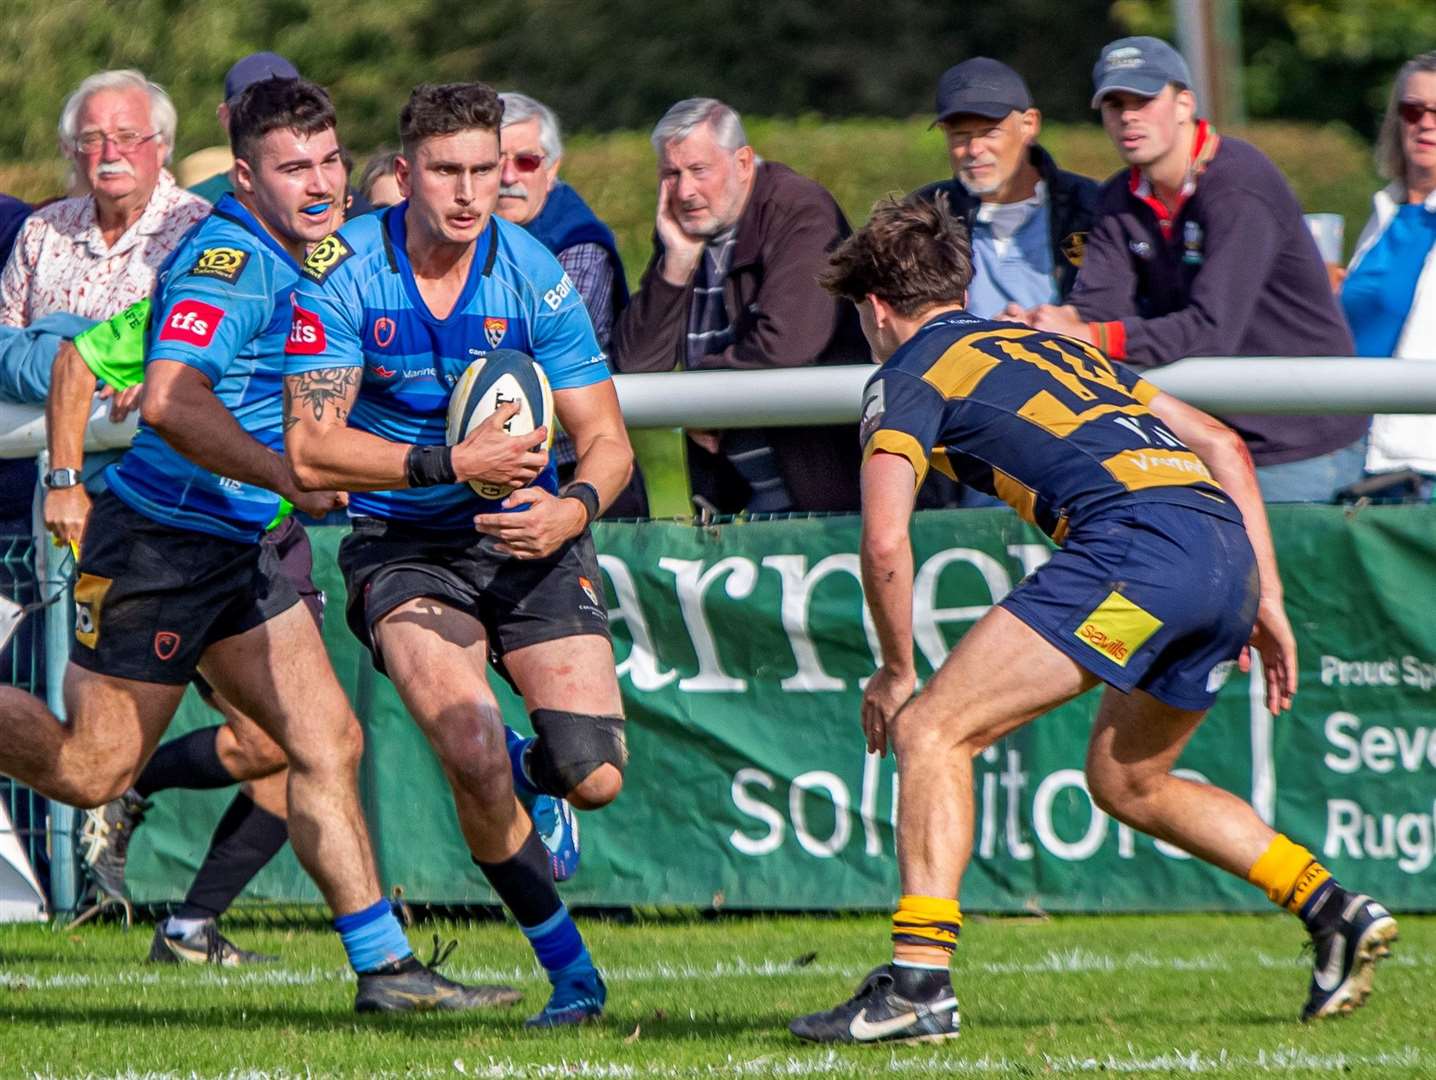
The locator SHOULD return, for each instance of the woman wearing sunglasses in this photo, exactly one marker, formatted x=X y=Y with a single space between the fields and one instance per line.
x=1390 y=289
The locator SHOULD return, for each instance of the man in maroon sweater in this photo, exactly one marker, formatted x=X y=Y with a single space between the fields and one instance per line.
x=1200 y=249
x=733 y=283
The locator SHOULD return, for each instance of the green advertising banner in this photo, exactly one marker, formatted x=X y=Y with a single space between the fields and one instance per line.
x=741 y=653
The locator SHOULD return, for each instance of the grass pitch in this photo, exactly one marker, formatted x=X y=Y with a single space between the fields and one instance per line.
x=1132 y=996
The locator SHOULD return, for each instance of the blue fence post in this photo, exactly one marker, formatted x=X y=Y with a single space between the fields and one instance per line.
x=54 y=567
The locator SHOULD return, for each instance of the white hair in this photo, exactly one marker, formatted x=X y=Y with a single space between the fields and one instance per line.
x=682 y=119
x=520 y=107
x=162 y=110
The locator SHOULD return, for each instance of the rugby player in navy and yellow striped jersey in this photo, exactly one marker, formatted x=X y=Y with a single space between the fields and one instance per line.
x=1165 y=574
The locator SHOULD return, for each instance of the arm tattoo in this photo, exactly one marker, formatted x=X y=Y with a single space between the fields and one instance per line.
x=318 y=391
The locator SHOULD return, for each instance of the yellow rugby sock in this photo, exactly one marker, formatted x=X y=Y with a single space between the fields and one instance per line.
x=925 y=928
x=1288 y=874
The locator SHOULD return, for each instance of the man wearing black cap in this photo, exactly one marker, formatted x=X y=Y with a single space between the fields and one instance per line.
x=1027 y=218
x=1200 y=249
x=246 y=70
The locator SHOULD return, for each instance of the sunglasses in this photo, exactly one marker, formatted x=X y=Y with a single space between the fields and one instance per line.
x=525 y=163
x=1413 y=111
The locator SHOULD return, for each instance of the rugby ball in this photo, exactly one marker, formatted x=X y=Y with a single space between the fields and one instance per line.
x=504 y=375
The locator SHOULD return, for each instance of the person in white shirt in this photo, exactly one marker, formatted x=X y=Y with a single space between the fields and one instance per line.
x=1389 y=294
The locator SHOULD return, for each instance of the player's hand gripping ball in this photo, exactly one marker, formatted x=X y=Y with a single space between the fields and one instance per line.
x=503 y=376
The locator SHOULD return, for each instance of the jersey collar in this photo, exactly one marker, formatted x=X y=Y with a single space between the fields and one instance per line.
x=396 y=234
x=231 y=209
x=1204 y=148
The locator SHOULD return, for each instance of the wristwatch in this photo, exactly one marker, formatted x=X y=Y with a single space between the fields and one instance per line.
x=62 y=478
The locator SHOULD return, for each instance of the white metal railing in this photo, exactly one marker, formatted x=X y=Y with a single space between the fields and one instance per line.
x=783 y=397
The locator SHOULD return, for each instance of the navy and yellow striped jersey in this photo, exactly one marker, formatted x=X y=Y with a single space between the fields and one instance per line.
x=1046 y=423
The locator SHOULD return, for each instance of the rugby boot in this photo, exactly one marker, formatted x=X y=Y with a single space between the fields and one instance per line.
x=408 y=986
x=1346 y=955
x=577 y=998
x=204 y=945
x=558 y=829
x=878 y=1013
x=105 y=838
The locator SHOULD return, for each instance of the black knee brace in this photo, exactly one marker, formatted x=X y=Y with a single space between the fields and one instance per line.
x=571 y=746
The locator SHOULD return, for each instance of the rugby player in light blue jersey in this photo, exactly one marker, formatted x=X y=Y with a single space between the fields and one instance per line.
x=394 y=308
x=1164 y=578
x=173 y=577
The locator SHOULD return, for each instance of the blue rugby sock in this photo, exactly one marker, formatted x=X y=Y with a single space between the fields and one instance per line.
x=559 y=946
x=518 y=746
x=372 y=937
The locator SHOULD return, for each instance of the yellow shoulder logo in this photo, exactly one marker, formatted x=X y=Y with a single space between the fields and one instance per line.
x=326 y=256
x=225 y=263
x=1074 y=246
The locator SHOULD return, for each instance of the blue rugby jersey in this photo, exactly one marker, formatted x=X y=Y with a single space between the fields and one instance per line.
x=1046 y=423
x=222 y=306
x=358 y=306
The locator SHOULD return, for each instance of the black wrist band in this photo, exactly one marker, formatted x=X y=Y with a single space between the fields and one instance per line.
x=426 y=466
x=585 y=493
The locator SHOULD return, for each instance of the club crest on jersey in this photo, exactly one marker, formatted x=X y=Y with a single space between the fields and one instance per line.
x=588 y=590
x=225 y=263
x=191 y=322
x=384 y=330
x=325 y=258
x=1074 y=246
x=494 y=330
x=167 y=643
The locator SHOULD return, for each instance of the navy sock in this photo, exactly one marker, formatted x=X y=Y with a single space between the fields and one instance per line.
x=191 y=761
x=247 y=837
x=524 y=882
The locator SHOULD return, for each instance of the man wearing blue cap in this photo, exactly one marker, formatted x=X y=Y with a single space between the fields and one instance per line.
x=246 y=70
x=1028 y=219
x=1200 y=249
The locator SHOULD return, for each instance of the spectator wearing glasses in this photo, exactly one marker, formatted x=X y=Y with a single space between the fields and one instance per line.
x=1390 y=289
x=97 y=253
x=1200 y=249
x=532 y=195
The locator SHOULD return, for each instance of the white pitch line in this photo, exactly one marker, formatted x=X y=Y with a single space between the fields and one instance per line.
x=1289 y=1060
x=1076 y=961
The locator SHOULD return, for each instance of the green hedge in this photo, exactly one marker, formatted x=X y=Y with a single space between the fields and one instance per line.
x=861 y=160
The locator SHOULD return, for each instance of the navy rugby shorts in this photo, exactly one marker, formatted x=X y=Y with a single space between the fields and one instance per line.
x=1154 y=597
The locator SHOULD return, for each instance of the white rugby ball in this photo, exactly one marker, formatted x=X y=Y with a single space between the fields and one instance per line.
x=504 y=375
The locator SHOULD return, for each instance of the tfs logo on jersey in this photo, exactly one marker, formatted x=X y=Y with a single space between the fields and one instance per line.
x=191 y=322
x=306 y=334
x=494 y=330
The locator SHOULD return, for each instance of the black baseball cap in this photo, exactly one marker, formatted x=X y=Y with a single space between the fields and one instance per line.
x=254 y=68
x=1139 y=65
x=981 y=87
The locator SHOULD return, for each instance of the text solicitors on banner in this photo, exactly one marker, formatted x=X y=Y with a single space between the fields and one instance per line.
x=742 y=652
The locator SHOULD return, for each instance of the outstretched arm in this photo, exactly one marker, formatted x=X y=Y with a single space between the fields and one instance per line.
x=889 y=492
x=1226 y=456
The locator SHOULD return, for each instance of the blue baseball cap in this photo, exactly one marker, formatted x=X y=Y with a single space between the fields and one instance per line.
x=981 y=87
x=1139 y=65
x=256 y=67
